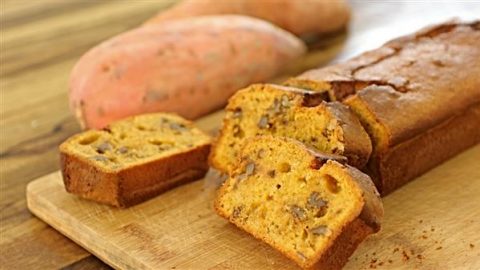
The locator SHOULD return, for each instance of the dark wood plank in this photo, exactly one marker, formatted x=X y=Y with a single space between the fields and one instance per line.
x=17 y=13
x=88 y=263
x=72 y=32
x=41 y=41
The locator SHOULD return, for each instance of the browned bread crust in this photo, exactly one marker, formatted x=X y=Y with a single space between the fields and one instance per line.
x=344 y=246
x=128 y=182
x=413 y=157
x=251 y=189
x=342 y=80
x=134 y=184
x=358 y=146
x=415 y=96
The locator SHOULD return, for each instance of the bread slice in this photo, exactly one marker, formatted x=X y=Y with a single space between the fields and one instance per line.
x=267 y=109
x=134 y=159
x=307 y=205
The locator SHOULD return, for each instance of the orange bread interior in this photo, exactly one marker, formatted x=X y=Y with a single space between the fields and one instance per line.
x=136 y=140
x=295 y=200
x=265 y=109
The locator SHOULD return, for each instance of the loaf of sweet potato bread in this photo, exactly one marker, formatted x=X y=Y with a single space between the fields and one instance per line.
x=134 y=159
x=290 y=112
x=307 y=205
x=418 y=96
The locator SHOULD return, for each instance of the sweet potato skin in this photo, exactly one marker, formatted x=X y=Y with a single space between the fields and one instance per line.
x=191 y=67
x=300 y=17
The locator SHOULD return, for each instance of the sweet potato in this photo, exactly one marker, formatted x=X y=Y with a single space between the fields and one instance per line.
x=301 y=17
x=189 y=66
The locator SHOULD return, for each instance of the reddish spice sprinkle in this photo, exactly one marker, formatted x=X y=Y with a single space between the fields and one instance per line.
x=395 y=250
x=438 y=248
x=405 y=256
x=390 y=261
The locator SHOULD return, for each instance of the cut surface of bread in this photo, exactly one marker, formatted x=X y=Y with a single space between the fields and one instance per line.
x=266 y=109
x=308 y=206
x=134 y=159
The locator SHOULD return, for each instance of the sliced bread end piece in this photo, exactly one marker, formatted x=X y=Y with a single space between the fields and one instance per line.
x=309 y=206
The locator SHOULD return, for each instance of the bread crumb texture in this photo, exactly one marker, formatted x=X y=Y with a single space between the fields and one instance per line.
x=135 y=140
x=275 y=110
x=283 y=195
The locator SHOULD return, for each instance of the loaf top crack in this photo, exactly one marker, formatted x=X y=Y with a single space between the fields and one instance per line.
x=405 y=84
x=135 y=140
x=307 y=205
x=264 y=109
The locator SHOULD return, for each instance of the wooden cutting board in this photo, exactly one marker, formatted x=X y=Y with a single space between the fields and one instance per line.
x=431 y=223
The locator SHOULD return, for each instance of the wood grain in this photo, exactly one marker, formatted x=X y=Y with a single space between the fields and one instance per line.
x=179 y=229
x=40 y=42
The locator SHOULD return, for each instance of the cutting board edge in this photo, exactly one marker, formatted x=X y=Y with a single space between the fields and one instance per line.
x=69 y=231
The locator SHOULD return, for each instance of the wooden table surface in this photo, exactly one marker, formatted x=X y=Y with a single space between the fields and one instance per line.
x=40 y=42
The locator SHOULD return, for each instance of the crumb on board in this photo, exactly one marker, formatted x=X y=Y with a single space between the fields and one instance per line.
x=406 y=254
x=374 y=262
x=472 y=245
